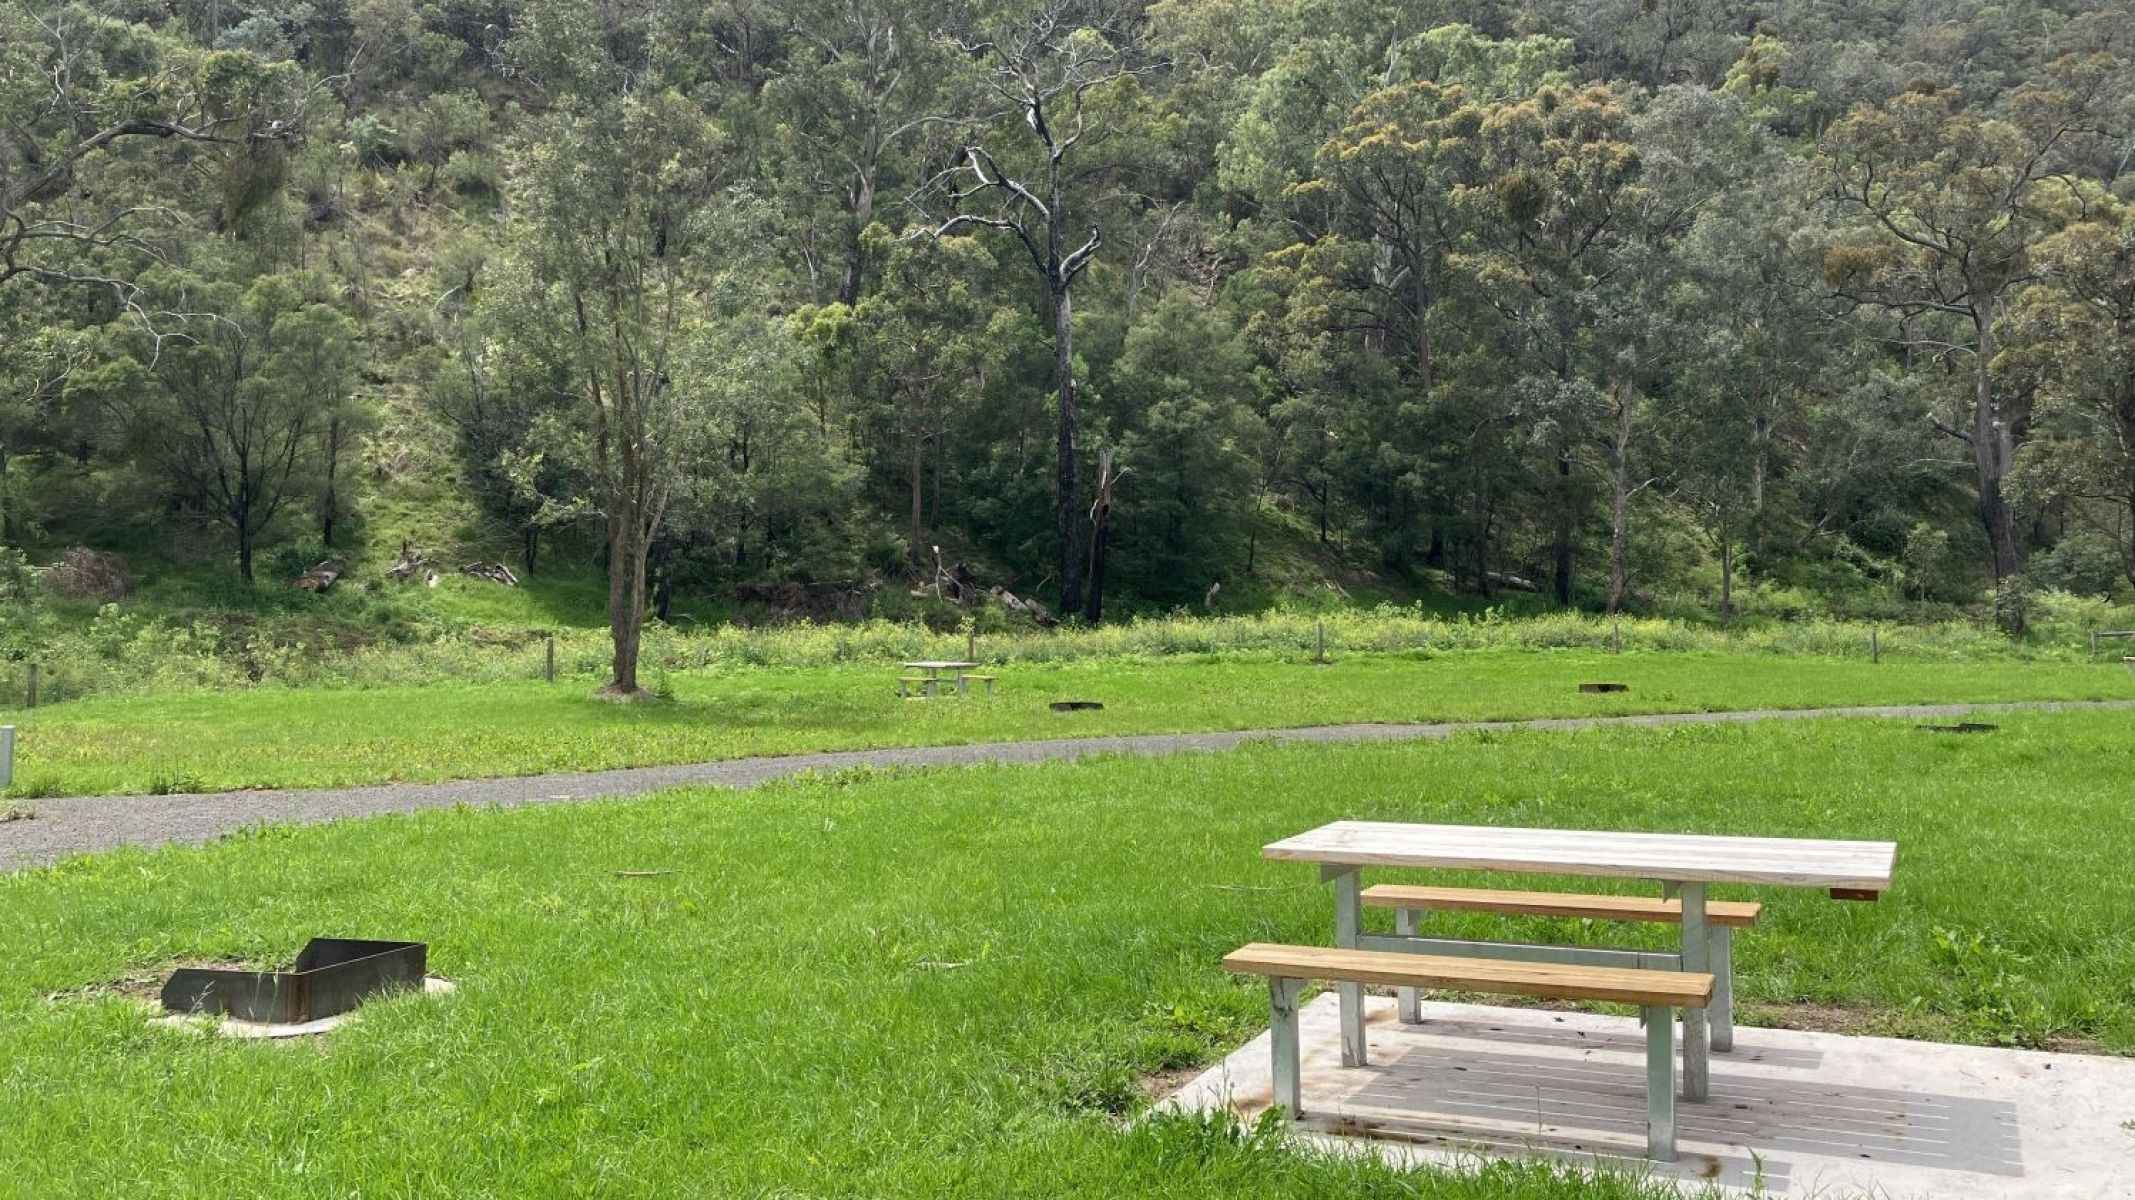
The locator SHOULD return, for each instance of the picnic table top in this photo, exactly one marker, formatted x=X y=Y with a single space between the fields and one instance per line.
x=1672 y=857
x=931 y=665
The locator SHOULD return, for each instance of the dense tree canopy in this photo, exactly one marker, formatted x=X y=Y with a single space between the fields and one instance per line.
x=1632 y=304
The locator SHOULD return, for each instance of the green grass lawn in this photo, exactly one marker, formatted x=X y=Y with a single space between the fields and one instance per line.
x=284 y=737
x=948 y=982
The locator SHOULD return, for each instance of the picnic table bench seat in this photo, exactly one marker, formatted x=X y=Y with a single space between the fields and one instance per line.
x=1723 y=916
x=1657 y=994
x=1732 y=913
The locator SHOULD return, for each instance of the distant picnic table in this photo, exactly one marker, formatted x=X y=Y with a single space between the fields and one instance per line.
x=1694 y=980
x=929 y=683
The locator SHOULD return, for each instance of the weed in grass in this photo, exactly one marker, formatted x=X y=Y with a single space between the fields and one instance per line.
x=182 y=784
x=36 y=787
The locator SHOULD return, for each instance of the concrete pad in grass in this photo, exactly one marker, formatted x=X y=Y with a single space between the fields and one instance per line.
x=1799 y=1114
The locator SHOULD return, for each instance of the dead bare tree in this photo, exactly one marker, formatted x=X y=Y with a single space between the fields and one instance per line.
x=1045 y=71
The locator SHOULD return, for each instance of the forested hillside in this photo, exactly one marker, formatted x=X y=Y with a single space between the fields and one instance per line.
x=1654 y=304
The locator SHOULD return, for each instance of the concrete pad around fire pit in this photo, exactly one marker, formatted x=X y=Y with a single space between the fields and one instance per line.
x=231 y=1027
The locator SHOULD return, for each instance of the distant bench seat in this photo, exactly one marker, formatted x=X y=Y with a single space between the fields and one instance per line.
x=1657 y=994
x=1726 y=913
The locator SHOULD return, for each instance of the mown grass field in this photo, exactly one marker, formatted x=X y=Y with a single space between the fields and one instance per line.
x=288 y=737
x=949 y=982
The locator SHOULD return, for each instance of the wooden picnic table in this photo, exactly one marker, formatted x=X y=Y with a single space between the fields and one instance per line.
x=935 y=667
x=1681 y=863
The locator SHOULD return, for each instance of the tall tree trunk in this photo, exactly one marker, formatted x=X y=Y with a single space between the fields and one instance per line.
x=1478 y=498
x=863 y=211
x=1424 y=365
x=7 y=511
x=1068 y=528
x=331 y=501
x=918 y=449
x=1727 y=576
x=1760 y=469
x=1100 y=526
x=1620 y=496
x=624 y=616
x=1561 y=532
x=1993 y=449
x=629 y=541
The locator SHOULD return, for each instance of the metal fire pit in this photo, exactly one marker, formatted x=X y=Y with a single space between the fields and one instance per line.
x=331 y=976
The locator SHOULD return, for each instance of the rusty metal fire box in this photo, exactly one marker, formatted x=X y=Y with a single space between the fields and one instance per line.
x=331 y=976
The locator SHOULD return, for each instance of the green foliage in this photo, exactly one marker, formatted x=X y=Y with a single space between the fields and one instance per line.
x=1647 y=305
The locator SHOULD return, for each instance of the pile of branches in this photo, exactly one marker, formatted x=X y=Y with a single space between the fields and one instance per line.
x=960 y=585
x=492 y=571
x=320 y=577
x=411 y=563
x=85 y=574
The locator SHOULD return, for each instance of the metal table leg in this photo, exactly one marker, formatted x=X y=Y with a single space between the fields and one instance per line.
x=1408 y=999
x=1697 y=1030
x=1723 y=988
x=1348 y=926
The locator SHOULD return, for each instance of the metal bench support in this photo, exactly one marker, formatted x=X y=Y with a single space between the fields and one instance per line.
x=1660 y=1082
x=1288 y=1064
x=1282 y=1034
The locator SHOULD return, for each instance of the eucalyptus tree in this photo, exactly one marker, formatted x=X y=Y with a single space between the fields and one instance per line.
x=1053 y=70
x=2076 y=328
x=82 y=89
x=1550 y=214
x=235 y=411
x=1949 y=199
x=1752 y=368
x=866 y=81
x=607 y=257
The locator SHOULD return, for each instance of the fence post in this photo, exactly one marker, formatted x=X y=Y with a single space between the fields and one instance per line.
x=971 y=645
x=1616 y=635
x=2094 y=645
x=1319 y=653
x=1875 y=644
x=548 y=666
x=29 y=692
x=7 y=756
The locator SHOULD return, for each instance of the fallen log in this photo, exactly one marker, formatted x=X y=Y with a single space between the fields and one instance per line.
x=320 y=577
x=410 y=563
x=1032 y=608
x=493 y=572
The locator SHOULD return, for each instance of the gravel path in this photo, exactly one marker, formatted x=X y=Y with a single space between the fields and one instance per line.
x=87 y=823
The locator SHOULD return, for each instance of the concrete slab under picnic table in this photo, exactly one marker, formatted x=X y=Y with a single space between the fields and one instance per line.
x=1799 y=1114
